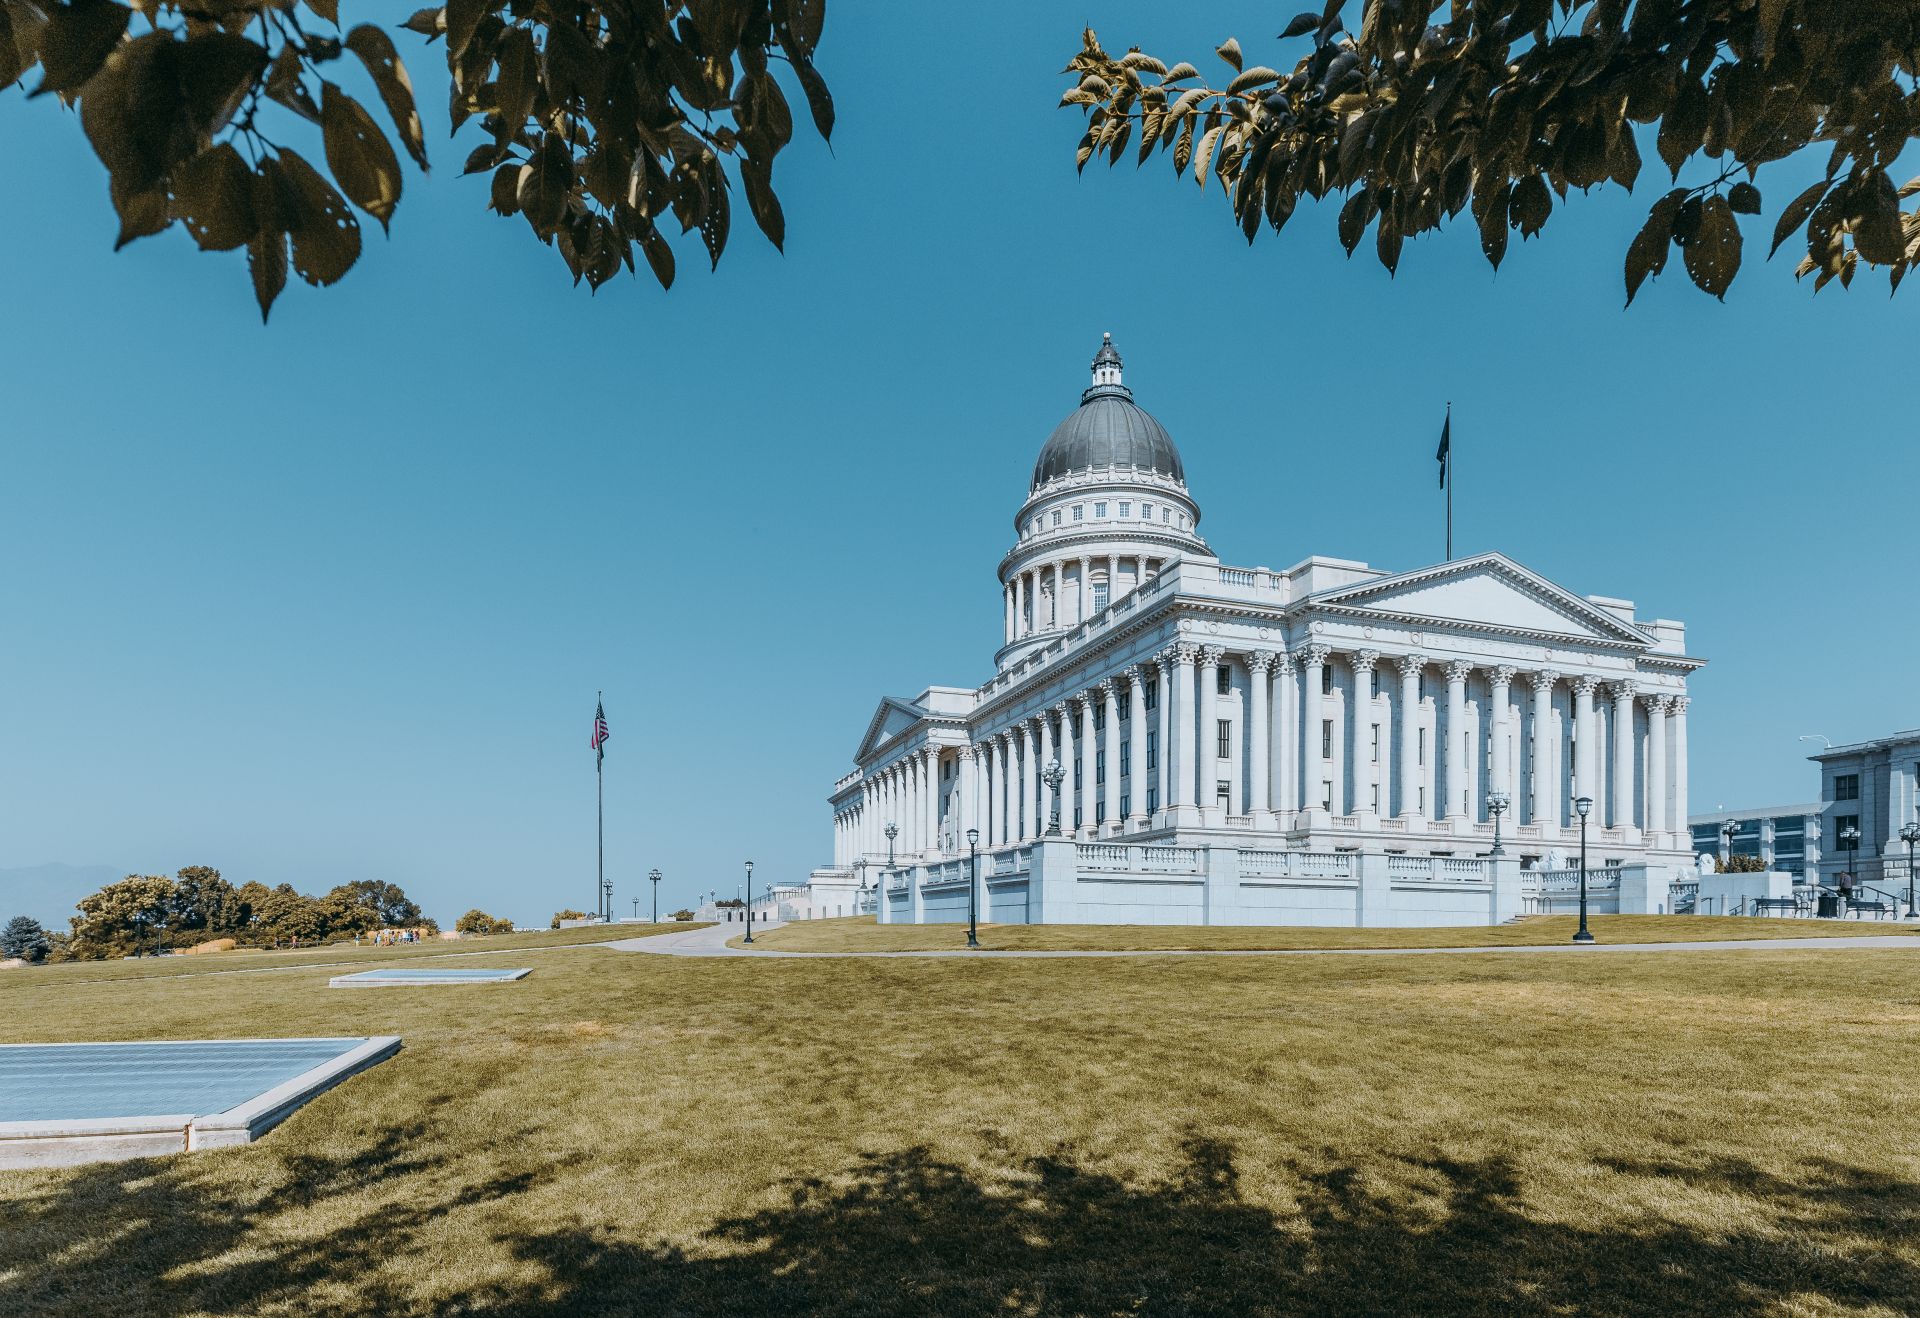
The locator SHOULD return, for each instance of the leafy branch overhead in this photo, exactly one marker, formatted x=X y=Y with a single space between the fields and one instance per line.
x=1509 y=104
x=602 y=118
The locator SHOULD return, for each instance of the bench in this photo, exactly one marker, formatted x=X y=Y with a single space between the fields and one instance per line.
x=1880 y=910
x=1785 y=905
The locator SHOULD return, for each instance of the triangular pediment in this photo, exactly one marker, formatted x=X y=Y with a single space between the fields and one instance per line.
x=1491 y=591
x=894 y=717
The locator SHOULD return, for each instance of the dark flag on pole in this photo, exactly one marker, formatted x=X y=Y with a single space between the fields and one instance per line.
x=600 y=733
x=1444 y=456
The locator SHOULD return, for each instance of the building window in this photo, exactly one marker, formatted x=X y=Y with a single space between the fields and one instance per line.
x=1036 y=526
x=1126 y=508
x=1077 y=775
x=1124 y=708
x=1326 y=738
x=1376 y=798
x=1146 y=511
x=1841 y=823
x=1056 y=517
x=1077 y=821
x=1153 y=694
x=1224 y=795
x=1421 y=737
x=1423 y=800
x=1077 y=510
x=1166 y=514
x=1126 y=805
x=1326 y=795
x=1099 y=509
x=1099 y=715
x=1376 y=743
x=1126 y=761
x=1153 y=799
x=1153 y=751
x=1099 y=766
x=1099 y=812
x=1226 y=739
x=1223 y=683
x=1099 y=596
x=1374 y=688
x=1846 y=787
x=1326 y=680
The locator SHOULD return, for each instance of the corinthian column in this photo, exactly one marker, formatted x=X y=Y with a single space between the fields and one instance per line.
x=1003 y=790
x=1025 y=827
x=1585 y=763
x=1620 y=798
x=1677 y=789
x=1314 y=767
x=1163 y=662
x=1043 y=800
x=1658 y=826
x=1500 y=766
x=1546 y=758
x=1207 y=762
x=1182 y=714
x=1065 y=710
x=1456 y=760
x=1366 y=769
x=1259 y=732
x=1137 y=756
x=1409 y=755
x=1286 y=702
x=1110 y=711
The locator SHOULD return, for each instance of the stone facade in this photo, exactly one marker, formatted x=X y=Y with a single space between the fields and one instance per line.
x=1212 y=723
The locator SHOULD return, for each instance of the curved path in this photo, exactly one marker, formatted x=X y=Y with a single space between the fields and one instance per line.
x=712 y=941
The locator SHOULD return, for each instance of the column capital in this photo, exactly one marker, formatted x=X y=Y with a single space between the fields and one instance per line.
x=1585 y=684
x=1364 y=660
x=1065 y=709
x=1185 y=652
x=1624 y=689
x=1457 y=670
x=1283 y=664
x=1410 y=664
x=1135 y=673
x=1261 y=662
x=1543 y=679
x=1212 y=654
x=1108 y=687
x=1656 y=703
x=1680 y=703
x=1503 y=674
x=1315 y=655
x=968 y=752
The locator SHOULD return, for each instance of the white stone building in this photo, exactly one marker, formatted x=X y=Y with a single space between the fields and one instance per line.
x=1318 y=744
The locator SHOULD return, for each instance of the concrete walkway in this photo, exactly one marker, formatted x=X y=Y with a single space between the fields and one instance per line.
x=712 y=941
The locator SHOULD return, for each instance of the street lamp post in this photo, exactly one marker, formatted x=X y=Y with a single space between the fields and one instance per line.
x=636 y=908
x=893 y=831
x=1581 y=807
x=1850 y=839
x=1053 y=778
x=1727 y=830
x=1910 y=835
x=653 y=877
x=1496 y=806
x=973 y=887
x=749 y=937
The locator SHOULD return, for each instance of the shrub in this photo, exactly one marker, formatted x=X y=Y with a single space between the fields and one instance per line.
x=478 y=921
x=23 y=938
x=683 y=915
x=568 y=914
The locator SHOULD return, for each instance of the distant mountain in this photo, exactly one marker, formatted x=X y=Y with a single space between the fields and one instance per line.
x=49 y=892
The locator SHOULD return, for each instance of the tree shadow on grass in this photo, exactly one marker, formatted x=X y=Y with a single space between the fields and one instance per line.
x=909 y=1232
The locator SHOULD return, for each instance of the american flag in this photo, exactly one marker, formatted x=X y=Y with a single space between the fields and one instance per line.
x=600 y=733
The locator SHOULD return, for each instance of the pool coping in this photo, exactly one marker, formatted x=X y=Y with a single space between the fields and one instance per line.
x=69 y=1142
x=453 y=975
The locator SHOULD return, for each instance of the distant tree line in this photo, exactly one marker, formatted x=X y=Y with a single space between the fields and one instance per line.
x=151 y=912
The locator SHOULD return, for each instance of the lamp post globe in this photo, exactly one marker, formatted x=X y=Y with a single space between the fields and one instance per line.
x=893 y=831
x=1497 y=805
x=1053 y=777
x=653 y=877
x=973 y=887
x=1910 y=835
x=1583 y=806
x=749 y=937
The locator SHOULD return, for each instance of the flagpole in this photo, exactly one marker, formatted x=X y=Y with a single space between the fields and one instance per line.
x=599 y=813
x=1449 y=480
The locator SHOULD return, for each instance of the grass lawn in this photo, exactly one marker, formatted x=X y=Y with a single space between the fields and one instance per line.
x=862 y=934
x=362 y=956
x=1709 y=1134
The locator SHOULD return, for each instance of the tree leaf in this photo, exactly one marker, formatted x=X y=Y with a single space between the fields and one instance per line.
x=1796 y=214
x=544 y=187
x=1303 y=22
x=326 y=236
x=1531 y=205
x=143 y=211
x=1647 y=254
x=462 y=20
x=819 y=99
x=213 y=194
x=267 y=263
x=1493 y=224
x=757 y=177
x=76 y=41
x=375 y=49
x=1744 y=198
x=285 y=87
x=506 y=187
x=1230 y=52
x=1355 y=215
x=659 y=254
x=1252 y=78
x=1204 y=154
x=327 y=9
x=1684 y=125
x=359 y=154
x=218 y=71
x=1712 y=254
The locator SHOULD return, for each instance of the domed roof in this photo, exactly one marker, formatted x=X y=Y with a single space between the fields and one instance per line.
x=1108 y=429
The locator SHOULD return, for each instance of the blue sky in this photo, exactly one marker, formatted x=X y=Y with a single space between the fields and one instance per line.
x=331 y=599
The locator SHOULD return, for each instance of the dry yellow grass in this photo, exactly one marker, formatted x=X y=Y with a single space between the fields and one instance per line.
x=864 y=935
x=1704 y=1134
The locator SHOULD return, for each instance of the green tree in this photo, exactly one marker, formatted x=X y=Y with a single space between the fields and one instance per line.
x=23 y=938
x=477 y=921
x=368 y=904
x=1506 y=105
x=203 y=902
x=284 y=914
x=123 y=916
x=601 y=119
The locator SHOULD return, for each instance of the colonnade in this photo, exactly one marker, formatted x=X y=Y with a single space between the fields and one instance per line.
x=1060 y=593
x=1299 y=738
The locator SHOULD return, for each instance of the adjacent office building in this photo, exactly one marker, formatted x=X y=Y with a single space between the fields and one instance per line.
x=1786 y=837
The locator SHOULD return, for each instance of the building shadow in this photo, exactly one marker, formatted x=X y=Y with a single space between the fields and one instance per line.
x=910 y=1233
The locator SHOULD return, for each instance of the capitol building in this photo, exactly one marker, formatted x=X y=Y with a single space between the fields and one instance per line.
x=1167 y=739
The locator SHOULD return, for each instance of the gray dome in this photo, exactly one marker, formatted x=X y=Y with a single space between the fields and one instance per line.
x=1108 y=429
